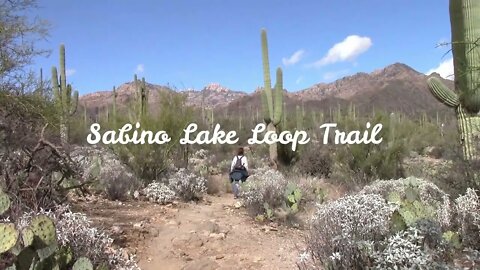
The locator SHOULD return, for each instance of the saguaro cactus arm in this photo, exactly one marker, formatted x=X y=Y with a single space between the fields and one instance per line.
x=266 y=77
x=278 y=108
x=73 y=104
x=55 y=86
x=443 y=93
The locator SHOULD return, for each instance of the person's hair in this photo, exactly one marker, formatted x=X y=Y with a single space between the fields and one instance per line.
x=240 y=151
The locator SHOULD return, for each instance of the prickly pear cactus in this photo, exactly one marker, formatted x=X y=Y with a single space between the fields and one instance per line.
x=415 y=211
x=8 y=236
x=27 y=237
x=397 y=222
x=293 y=196
x=394 y=197
x=82 y=264
x=4 y=202
x=64 y=257
x=43 y=230
x=411 y=209
x=452 y=238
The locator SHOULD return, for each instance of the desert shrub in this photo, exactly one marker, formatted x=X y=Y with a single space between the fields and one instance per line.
x=151 y=161
x=314 y=189
x=428 y=192
x=216 y=184
x=359 y=164
x=423 y=197
x=264 y=191
x=159 y=193
x=403 y=250
x=198 y=162
x=315 y=161
x=454 y=175
x=396 y=224
x=103 y=168
x=74 y=230
x=34 y=170
x=187 y=185
x=460 y=175
x=120 y=186
x=468 y=211
x=343 y=232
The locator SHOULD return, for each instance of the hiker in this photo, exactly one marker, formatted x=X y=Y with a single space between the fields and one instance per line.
x=238 y=171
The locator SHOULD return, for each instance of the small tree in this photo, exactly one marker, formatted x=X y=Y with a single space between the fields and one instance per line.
x=18 y=36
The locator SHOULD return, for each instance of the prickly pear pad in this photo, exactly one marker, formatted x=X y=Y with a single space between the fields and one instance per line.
x=8 y=236
x=44 y=230
x=82 y=264
x=4 y=202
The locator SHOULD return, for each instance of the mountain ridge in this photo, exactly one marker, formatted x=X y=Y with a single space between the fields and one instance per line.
x=392 y=88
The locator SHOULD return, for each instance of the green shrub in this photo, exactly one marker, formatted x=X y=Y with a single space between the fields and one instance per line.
x=315 y=161
x=150 y=161
x=359 y=164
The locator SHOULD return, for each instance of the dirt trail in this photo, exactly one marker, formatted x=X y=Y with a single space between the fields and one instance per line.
x=216 y=235
x=210 y=234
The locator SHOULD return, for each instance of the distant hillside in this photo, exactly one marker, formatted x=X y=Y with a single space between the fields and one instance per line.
x=397 y=87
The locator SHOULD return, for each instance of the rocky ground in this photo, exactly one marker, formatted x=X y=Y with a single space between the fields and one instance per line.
x=212 y=234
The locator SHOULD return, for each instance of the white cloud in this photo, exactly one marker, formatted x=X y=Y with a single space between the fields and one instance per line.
x=140 y=68
x=445 y=69
x=347 y=50
x=294 y=58
x=70 y=72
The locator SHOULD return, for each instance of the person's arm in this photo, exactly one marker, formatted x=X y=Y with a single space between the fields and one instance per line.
x=245 y=164
x=233 y=164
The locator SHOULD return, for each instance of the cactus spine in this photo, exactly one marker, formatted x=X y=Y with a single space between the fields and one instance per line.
x=272 y=99
x=465 y=25
x=65 y=102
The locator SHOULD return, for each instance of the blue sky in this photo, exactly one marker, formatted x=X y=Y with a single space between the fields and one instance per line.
x=190 y=43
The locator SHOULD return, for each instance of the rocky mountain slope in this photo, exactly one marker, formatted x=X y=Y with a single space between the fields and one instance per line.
x=397 y=87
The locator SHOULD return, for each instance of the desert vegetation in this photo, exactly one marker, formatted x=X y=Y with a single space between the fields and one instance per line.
x=409 y=202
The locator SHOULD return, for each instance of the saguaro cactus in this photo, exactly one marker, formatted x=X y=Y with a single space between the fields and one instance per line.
x=299 y=115
x=465 y=25
x=65 y=102
x=272 y=99
x=141 y=96
x=114 y=107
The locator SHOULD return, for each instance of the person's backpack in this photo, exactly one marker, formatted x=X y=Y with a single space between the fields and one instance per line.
x=238 y=164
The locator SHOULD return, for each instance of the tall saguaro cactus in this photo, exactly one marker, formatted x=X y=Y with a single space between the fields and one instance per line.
x=114 y=107
x=141 y=96
x=465 y=25
x=272 y=99
x=66 y=102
